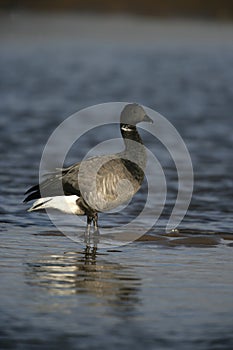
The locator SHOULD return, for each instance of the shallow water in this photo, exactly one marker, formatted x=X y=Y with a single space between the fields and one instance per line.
x=166 y=291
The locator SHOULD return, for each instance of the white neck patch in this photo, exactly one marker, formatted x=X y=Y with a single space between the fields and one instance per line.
x=126 y=128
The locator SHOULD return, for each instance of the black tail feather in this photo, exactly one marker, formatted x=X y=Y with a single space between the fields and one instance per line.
x=33 y=195
x=33 y=189
x=54 y=185
x=49 y=188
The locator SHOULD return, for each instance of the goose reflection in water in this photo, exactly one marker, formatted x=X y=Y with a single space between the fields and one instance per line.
x=88 y=273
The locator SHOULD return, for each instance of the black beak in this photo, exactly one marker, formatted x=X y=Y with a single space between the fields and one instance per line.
x=147 y=119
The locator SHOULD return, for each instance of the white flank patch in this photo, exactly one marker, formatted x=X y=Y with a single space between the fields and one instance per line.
x=65 y=204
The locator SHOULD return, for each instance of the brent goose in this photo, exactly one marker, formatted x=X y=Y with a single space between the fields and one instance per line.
x=99 y=183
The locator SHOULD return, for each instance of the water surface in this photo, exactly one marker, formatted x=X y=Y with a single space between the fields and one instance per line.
x=166 y=291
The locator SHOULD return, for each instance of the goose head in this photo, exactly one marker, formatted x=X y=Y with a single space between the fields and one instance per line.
x=133 y=114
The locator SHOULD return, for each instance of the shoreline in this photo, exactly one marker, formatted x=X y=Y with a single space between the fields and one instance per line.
x=114 y=29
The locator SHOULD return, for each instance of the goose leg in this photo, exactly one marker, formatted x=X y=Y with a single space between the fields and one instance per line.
x=95 y=223
x=92 y=218
x=88 y=227
x=96 y=235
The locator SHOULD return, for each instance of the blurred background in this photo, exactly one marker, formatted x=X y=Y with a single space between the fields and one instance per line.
x=205 y=9
x=176 y=57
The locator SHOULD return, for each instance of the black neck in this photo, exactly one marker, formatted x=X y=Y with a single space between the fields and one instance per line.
x=130 y=132
x=134 y=155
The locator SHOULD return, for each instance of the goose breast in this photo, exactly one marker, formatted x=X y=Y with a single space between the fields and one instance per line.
x=107 y=182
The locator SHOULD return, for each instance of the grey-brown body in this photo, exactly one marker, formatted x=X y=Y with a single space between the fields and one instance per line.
x=100 y=183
